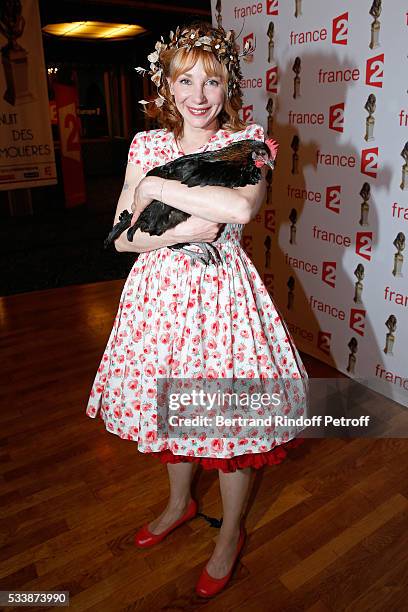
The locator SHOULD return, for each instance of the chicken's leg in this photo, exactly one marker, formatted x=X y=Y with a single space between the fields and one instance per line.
x=193 y=254
x=211 y=250
x=210 y=253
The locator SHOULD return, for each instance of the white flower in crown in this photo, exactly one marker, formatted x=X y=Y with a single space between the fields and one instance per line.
x=156 y=78
x=205 y=42
x=153 y=57
x=159 y=100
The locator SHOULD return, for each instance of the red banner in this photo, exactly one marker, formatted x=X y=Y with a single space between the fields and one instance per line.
x=71 y=159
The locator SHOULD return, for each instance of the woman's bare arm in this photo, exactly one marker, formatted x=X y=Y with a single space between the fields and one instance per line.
x=142 y=241
x=194 y=229
x=220 y=204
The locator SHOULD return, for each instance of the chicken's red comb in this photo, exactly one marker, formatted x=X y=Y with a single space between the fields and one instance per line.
x=272 y=146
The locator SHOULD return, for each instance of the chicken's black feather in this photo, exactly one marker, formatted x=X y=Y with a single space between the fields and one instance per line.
x=231 y=166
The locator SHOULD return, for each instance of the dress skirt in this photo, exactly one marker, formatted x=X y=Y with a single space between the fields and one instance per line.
x=178 y=319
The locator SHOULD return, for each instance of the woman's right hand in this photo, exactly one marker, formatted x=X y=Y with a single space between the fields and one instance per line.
x=195 y=229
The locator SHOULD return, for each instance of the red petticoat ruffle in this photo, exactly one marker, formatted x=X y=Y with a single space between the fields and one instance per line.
x=253 y=460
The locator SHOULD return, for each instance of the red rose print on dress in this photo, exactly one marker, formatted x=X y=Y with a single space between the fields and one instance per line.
x=177 y=319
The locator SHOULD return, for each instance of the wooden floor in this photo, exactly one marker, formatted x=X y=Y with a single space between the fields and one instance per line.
x=327 y=528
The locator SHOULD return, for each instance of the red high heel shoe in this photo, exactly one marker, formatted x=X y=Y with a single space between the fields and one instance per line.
x=207 y=586
x=144 y=538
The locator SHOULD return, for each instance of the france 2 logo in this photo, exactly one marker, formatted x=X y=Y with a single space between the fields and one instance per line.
x=333 y=194
x=369 y=162
x=272 y=7
x=357 y=320
x=323 y=341
x=336 y=117
x=364 y=242
x=329 y=273
x=270 y=220
x=375 y=71
x=248 y=113
x=340 y=30
x=272 y=80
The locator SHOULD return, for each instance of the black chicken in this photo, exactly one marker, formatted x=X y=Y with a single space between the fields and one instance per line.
x=236 y=165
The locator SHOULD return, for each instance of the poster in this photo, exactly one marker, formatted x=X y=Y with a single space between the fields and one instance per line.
x=26 y=149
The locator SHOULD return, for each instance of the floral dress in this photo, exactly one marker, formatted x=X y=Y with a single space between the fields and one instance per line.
x=180 y=319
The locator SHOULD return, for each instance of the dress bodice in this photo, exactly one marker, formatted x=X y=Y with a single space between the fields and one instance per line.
x=157 y=147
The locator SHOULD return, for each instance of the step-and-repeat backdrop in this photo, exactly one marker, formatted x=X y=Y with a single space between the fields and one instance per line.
x=328 y=81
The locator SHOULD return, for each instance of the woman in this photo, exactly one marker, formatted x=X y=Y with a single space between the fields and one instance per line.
x=178 y=318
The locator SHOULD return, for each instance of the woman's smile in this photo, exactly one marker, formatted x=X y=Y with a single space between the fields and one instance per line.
x=198 y=111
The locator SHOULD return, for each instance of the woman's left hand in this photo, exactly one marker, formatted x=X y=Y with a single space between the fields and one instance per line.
x=143 y=196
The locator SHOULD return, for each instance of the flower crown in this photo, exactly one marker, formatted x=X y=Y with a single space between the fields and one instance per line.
x=219 y=42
